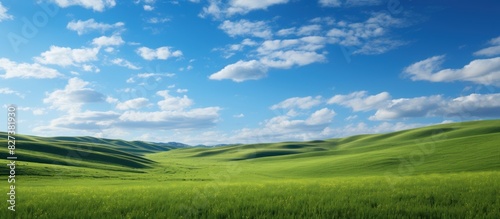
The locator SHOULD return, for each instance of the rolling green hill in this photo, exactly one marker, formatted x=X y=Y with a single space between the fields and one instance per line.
x=446 y=148
x=87 y=152
x=442 y=171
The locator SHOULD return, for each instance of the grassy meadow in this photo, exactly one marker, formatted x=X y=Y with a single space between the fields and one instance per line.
x=443 y=171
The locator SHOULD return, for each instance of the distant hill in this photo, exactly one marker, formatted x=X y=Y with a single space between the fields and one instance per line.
x=454 y=147
x=91 y=152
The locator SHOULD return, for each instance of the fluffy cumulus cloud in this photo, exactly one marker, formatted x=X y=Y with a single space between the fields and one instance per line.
x=361 y=101
x=198 y=118
x=103 y=41
x=298 y=102
x=241 y=71
x=136 y=103
x=471 y=106
x=26 y=70
x=492 y=50
x=480 y=71
x=289 y=127
x=82 y=27
x=96 y=5
x=219 y=8
x=87 y=121
x=73 y=96
x=368 y=37
x=65 y=56
x=172 y=112
x=3 y=13
x=282 y=54
x=246 y=28
x=172 y=103
x=349 y=3
x=162 y=53
x=386 y=108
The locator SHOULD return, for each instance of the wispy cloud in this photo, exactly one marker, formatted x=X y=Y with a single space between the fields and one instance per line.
x=3 y=13
x=492 y=50
x=480 y=71
x=162 y=53
x=96 y=5
x=26 y=70
x=82 y=27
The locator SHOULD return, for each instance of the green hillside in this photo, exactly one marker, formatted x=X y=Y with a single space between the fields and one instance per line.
x=442 y=171
x=457 y=147
x=446 y=148
x=88 y=152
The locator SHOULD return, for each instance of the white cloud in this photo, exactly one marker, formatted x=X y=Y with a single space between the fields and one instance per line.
x=96 y=5
x=83 y=121
x=148 y=8
x=290 y=52
x=162 y=53
x=3 y=13
x=146 y=76
x=287 y=59
x=471 y=106
x=182 y=90
x=349 y=118
x=480 y=71
x=241 y=71
x=330 y=3
x=309 y=29
x=26 y=70
x=231 y=49
x=218 y=9
x=286 y=32
x=34 y=110
x=124 y=63
x=241 y=115
x=103 y=41
x=246 y=28
x=493 y=50
x=282 y=54
x=156 y=20
x=368 y=37
x=7 y=90
x=360 y=101
x=198 y=118
x=245 y=6
x=287 y=128
x=132 y=104
x=82 y=27
x=214 y=9
x=348 y=3
x=171 y=103
x=298 y=102
x=73 y=96
x=65 y=56
x=90 y=68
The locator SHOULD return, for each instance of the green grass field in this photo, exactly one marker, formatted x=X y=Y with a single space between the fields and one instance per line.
x=443 y=171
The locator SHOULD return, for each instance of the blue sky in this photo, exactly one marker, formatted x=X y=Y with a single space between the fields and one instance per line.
x=241 y=71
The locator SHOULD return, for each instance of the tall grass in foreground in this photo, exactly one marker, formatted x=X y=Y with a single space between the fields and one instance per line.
x=460 y=195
